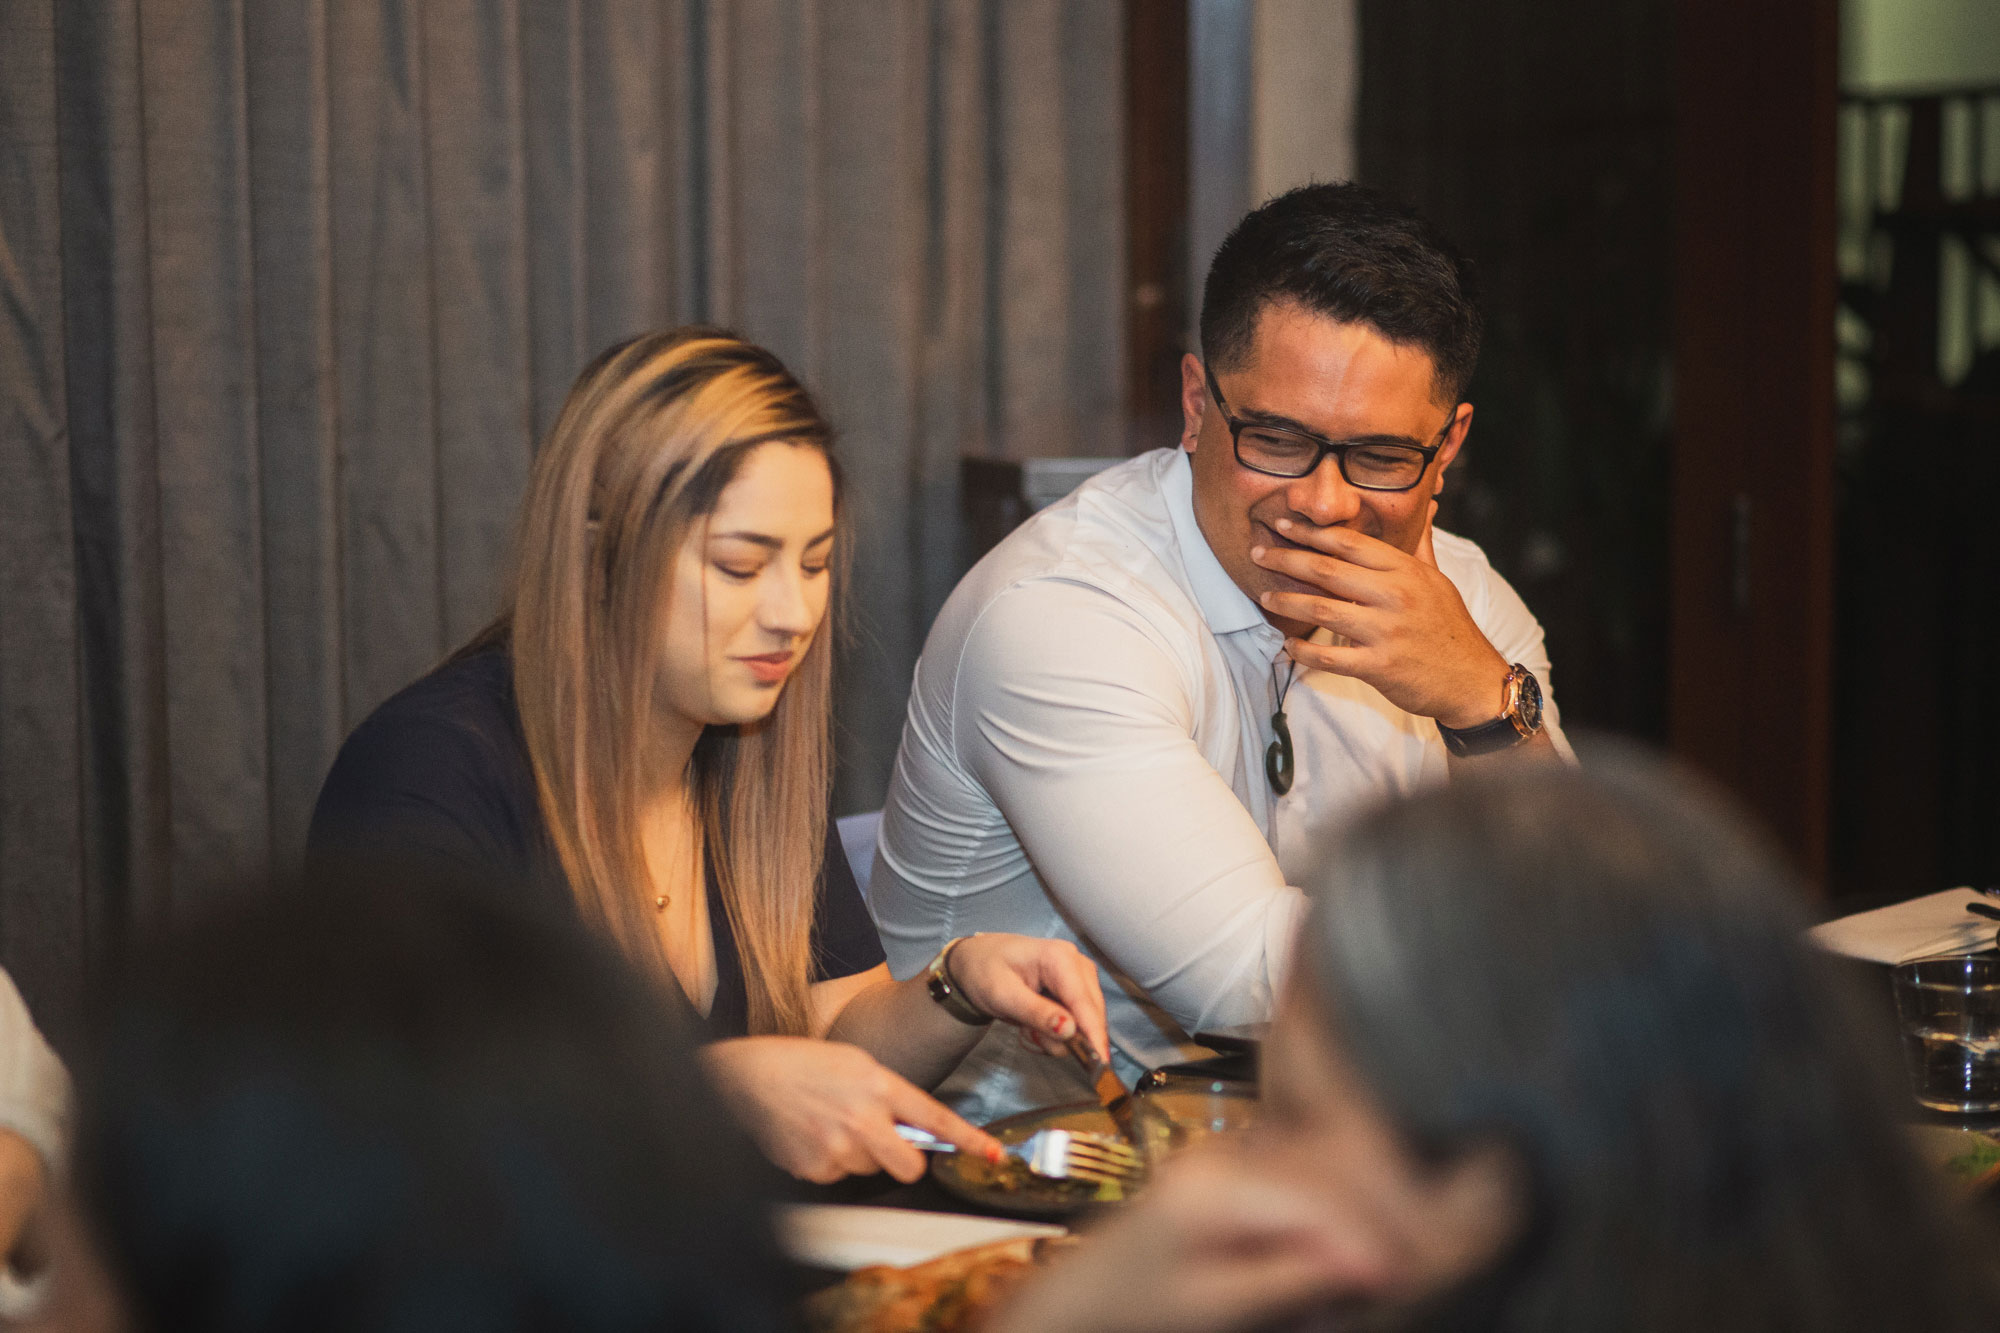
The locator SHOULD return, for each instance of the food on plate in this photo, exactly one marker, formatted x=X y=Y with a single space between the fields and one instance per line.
x=1011 y=1175
x=1167 y=1119
x=946 y=1295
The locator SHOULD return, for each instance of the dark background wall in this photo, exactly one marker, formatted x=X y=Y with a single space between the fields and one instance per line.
x=1540 y=138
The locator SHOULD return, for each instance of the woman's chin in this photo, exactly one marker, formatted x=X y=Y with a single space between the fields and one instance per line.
x=745 y=707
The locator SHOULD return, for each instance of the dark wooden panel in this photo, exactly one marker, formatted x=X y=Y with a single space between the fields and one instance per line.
x=1754 y=300
x=1539 y=138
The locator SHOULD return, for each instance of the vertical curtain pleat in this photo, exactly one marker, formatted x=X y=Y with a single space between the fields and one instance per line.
x=869 y=211
x=629 y=161
x=107 y=330
x=768 y=278
x=552 y=108
x=205 y=394
x=42 y=919
x=293 y=289
x=297 y=403
x=384 y=350
x=477 y=213
x=953 y=403
x=1093 y=128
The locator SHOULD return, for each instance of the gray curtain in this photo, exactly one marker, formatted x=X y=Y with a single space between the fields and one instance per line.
x=290 y=288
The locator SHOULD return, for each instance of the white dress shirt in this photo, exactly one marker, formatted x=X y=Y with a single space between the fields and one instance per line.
x=1083 y=759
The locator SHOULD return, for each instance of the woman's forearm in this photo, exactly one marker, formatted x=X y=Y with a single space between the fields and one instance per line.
x=899 y=1024
x=1044 y=987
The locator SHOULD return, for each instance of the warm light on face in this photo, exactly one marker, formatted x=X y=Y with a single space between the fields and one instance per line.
x=1338 y=381
x=749 y=589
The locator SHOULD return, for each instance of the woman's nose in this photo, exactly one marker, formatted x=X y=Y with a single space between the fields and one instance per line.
x=787 y=607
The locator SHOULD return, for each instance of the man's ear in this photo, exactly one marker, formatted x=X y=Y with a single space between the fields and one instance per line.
x=1194 y=400
x=1453 y=441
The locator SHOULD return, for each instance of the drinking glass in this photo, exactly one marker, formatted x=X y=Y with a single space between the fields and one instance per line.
x=1950 y=1011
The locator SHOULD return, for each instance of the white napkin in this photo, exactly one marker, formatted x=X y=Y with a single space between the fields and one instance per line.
x=1920 y=928
x=845 y=1236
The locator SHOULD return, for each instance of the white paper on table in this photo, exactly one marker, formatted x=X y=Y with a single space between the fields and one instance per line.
x=1920 y=928
x=846 y=1236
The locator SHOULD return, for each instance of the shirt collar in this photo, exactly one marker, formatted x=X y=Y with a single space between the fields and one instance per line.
x=1225 y=607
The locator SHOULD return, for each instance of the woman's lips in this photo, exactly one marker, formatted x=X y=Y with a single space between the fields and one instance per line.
x=770 y=668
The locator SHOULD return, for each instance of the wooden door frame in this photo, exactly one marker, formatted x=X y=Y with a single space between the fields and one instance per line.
x=1751 y=669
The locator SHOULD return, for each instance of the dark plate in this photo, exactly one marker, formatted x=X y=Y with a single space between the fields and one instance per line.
x=1196 y=1112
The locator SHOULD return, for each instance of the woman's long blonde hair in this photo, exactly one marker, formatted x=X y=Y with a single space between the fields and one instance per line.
x=651 y=433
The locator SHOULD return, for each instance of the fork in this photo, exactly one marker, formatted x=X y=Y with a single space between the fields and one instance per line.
x=1059 y=1154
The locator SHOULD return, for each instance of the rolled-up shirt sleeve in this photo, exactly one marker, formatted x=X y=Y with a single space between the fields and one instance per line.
x=1079 y=721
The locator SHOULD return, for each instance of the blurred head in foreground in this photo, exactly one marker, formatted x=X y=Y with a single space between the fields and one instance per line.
x=1565 y=1020
x=408 y=1109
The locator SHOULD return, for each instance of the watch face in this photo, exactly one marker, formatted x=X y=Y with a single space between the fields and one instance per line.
x=1528 y=711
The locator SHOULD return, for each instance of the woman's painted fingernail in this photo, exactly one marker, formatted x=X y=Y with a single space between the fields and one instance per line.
x=1060 y=1025
x=995 y=1153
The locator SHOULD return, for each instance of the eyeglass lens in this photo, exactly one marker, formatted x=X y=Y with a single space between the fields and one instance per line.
x=1379 y=466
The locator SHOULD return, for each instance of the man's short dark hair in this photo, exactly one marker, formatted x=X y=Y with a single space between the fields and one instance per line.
x=1354 y=255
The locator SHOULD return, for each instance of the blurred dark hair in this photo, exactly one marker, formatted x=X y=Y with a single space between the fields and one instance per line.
x=1353 y=255
x=1603 y=967
x=405 y=1107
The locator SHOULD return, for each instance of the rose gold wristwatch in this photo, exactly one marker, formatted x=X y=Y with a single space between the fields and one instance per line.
x=1520 y=718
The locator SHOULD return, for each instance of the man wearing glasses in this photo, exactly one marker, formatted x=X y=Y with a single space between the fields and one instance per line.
x=1136 y=721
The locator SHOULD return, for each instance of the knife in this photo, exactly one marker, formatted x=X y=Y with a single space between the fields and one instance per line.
x=1110 y=1089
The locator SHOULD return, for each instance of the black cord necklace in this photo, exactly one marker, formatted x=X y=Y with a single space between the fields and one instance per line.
x=1278 y=755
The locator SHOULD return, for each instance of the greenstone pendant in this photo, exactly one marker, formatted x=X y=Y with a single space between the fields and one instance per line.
x=1278 y=755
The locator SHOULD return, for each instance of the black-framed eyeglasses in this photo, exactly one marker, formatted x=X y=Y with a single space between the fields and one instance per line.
x=1370 y=464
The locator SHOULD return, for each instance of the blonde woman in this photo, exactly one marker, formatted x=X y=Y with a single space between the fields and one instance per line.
x=644 y=736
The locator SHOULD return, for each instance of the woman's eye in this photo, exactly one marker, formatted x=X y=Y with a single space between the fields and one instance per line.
x=812 y=571
x=741 y=573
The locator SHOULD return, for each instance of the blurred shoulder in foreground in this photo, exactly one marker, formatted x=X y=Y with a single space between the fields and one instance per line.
x=1554 y=1055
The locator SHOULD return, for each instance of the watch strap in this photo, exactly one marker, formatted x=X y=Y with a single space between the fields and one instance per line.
x=945 y=990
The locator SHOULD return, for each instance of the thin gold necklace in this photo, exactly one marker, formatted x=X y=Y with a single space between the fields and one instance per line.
x=662 y=901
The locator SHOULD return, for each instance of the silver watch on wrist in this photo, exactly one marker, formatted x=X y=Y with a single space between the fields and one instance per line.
x=945 y=990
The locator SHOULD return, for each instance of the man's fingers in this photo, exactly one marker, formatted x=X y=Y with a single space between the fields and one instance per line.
x=917 y=1108
x=1339 y=659
x=1331 y=574
x=1358 y=547
x=1343 y=618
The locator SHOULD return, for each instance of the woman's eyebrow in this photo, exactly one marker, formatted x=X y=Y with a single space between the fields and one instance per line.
x=765 y=540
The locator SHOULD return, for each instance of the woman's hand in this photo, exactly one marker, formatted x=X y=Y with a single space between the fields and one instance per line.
x=824 y=1109
x=1046 y=987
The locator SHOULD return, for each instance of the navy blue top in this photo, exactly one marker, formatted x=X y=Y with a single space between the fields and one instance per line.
x=438 y=780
